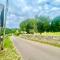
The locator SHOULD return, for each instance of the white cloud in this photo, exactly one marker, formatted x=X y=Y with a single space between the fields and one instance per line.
x=20 y=9
x=27 y=8
x=57 y=1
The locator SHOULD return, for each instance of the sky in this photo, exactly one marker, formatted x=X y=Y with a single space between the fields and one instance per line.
x=20 y=10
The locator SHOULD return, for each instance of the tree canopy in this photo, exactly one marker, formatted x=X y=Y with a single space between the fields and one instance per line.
x=41 y=24
x=55 y=25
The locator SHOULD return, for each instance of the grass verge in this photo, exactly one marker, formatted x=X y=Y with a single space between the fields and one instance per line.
x=51 y=34
x=47 y=42
x=45 y=39
x=9 y=52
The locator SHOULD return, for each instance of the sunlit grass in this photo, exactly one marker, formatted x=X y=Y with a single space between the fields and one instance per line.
x=51 y=33
x=9 y=52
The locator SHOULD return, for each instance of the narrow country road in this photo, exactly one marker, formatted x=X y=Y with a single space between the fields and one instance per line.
x=35 y=51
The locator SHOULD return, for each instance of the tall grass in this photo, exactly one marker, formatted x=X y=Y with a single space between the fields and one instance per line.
x=9 y=52
x=51 y=33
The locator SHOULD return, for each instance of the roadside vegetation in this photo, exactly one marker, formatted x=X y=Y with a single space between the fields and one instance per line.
x=9 y=52
x=42 y=29
x=40 y=25
x=53 y=40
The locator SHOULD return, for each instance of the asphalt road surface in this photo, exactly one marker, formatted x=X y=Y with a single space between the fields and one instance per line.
x=36 y=51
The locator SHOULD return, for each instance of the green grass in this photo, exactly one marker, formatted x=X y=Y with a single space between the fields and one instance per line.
x=51 y=34
x=9 y=52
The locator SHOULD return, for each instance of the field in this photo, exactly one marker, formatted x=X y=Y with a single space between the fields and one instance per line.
x=46 y=38
x=9 y=52
x=51 y=34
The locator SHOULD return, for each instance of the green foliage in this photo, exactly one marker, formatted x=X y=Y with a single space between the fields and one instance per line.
x=23 y=25
x=55 y=25
x=41 y=24
x=10 y=31
x=7 y=31
x=9 y=52
x=17 y=33
x=34 y=25
x=1 y=31
x=29 y=25
x=8 y=43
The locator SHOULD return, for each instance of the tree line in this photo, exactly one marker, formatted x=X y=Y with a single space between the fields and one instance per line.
x=9 y=31
x=40 y=24
x=36 y=25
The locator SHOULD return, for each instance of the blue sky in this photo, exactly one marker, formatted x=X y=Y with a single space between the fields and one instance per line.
x=23 y=9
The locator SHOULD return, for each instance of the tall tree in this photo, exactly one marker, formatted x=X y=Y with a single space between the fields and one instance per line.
x=44 y=23
x=55 y=25
x=29 y=26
